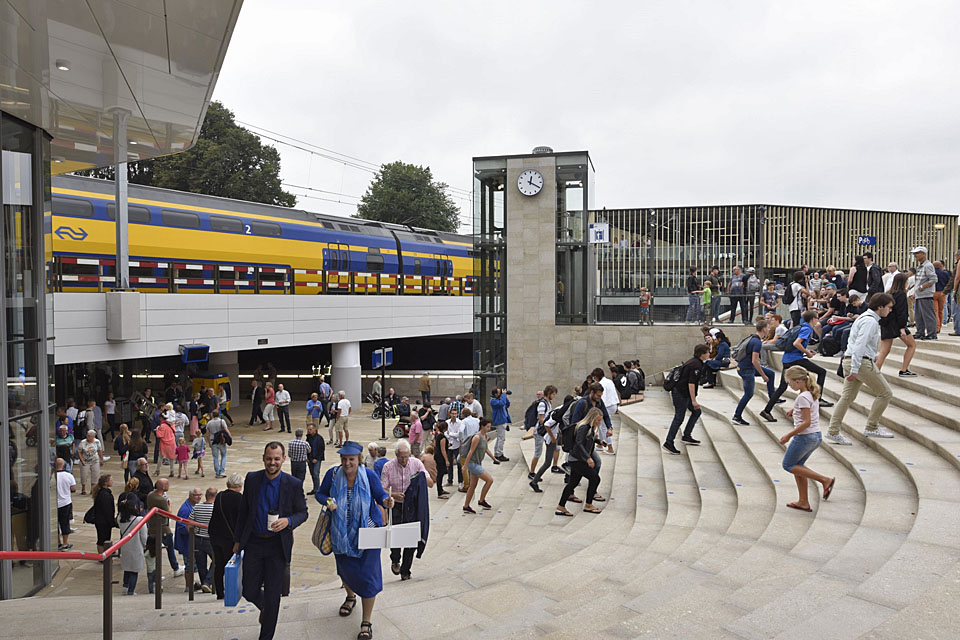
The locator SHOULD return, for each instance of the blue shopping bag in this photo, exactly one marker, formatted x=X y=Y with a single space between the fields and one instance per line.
x=233 y=580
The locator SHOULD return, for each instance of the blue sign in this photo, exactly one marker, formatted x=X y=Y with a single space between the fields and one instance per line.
x=383 y=357
x=866 y=240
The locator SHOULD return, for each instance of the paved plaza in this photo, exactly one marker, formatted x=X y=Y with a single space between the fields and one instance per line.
x=692 y=546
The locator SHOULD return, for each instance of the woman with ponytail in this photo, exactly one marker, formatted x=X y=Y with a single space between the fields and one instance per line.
x=805 y=437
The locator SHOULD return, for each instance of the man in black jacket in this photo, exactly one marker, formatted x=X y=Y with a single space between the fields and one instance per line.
x=256 y=399
x=317 y=451
x=874 y=276
x=143 y=475
x=272 y=507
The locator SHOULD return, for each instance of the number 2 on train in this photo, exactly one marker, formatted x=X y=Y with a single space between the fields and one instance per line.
x=247 y=230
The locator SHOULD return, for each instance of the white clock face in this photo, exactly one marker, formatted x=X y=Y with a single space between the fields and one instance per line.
x=530 y=182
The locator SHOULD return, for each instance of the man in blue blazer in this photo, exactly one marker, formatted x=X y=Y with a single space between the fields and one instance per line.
x=272 y=507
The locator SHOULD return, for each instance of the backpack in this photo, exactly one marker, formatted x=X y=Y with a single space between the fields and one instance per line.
x=739 y=352
x=624 y=388
x=785 y=342
x=530 y=418
x=672 y=378
x=788 y=296
x=753 y=284
x=568 y=430
x=634 y=379
x=829 y=346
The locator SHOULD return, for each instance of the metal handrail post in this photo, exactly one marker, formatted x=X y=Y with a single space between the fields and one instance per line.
x=158 y=580
x=108 y=598
x=190 y=564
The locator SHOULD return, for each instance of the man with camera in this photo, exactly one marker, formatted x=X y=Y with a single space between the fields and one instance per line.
x=499 y=404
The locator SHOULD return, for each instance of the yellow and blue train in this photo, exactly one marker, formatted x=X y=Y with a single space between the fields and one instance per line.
x=187 y=242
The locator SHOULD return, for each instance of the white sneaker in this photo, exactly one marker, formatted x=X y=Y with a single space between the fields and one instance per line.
x=879 y=432
x=178 y=572
x=105 y=458
x=837 y=439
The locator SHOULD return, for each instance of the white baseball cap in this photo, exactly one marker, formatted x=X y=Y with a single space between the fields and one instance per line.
x=920 y=249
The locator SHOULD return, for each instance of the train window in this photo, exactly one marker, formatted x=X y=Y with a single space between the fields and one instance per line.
x=352 y=228
x=416 y=266
x=265 y=229
x=223 y=223
x=374 y=261
x=334 y=260
x=183 y=219
x=71 y=207
x=134 y=214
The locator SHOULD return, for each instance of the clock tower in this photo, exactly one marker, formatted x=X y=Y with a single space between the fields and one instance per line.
x=530 y=224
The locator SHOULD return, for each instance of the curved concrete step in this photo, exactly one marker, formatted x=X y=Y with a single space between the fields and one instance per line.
x=932 y=547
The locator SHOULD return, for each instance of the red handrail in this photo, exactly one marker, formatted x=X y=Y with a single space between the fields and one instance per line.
x=96 y=557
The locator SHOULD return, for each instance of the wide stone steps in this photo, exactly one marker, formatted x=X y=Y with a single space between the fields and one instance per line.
x=930 y=548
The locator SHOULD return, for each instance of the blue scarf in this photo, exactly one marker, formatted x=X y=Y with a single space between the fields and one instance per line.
x=345 y=535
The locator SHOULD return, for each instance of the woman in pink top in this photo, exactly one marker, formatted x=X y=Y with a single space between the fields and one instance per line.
x=805 y=437
x=269 y=406
x=168 y=445
x=416 y=435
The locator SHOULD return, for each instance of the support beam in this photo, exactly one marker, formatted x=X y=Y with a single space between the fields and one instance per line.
x=120 y=184
x=345 y=371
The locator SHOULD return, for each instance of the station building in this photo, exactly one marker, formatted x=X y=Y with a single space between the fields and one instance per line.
x=553 y=302
x=81 y=85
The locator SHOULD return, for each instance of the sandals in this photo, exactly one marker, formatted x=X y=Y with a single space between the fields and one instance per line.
x=599 y=498
x=347 y=607
x=794 y=505
x=575 y=499
x=593 y=510
x=829 y=489
x=563 y=513
x=366 y=631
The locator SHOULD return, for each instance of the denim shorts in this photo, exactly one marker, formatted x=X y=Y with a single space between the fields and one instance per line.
x=475 y=469
x=800 y=448
x=537 y=442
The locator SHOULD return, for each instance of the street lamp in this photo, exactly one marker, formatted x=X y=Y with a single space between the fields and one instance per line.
x=762 y=217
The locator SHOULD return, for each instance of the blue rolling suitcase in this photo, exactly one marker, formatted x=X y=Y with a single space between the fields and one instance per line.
x=233 y=580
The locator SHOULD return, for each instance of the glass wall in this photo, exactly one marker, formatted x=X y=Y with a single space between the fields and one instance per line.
x=489 y=300
x=25 y=484
x=573 y=181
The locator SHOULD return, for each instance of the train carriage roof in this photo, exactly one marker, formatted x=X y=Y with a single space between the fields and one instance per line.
x=188 y=200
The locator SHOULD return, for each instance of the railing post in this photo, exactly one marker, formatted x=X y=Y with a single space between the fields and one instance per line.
x=108 y=598
x=190 y=564
x=158 y=581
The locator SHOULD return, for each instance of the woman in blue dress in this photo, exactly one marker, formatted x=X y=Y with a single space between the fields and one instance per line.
x=352 y=493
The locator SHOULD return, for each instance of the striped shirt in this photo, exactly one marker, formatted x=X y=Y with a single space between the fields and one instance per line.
x=202 y=513
x=298 y=450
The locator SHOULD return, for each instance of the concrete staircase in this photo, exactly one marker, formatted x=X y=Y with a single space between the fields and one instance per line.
x=699 y=545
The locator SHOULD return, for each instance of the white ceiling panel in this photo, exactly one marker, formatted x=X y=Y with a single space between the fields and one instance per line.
x=115 y=54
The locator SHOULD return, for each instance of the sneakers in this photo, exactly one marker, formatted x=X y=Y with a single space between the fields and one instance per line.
x=556 y=470
x=766 y=415
x=825 y=403
x=536 y=488
x=485 y=505
x=669 y=448
x=531 y=475
x=178 y=572
x=65 y=547
x=879 y=432
x=907 y=374
x=781 y=400
x=503 y=458
x=689 y=440
x=740 y=421
x=837 y=439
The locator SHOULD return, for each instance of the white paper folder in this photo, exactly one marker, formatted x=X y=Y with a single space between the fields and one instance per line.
x=398 y=536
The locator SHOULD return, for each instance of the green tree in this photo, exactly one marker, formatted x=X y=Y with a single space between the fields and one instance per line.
x=407 y=194
x=226 y=161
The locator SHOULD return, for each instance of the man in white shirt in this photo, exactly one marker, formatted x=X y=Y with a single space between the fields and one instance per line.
x=611 y=400
x=892 y=270
x=859 y=369
x=343 y=414
x=282 y=399
x=66 y=485
x=473 y=404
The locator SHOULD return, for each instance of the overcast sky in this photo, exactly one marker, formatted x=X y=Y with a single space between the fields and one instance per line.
x=852 y=104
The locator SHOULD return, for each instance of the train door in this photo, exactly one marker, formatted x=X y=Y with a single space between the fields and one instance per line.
x=338 y=271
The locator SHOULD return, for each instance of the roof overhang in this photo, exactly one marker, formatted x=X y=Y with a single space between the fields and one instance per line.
x=68 y=66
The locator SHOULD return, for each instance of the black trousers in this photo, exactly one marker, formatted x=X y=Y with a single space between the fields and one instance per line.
x=222 y=552
x=795 y=317
x=403 y=557
x=454 y=456
x=298 y=469
x=264 y=568
x=256 y=413
x=284 y=416
x=579 y=470
x=813 y=368
x=682 y=404
x=741 y=300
